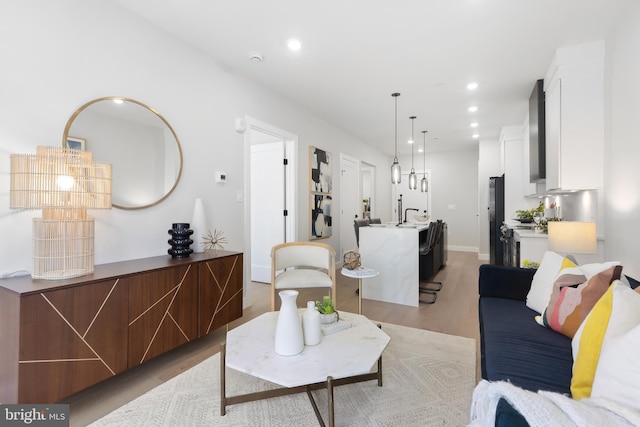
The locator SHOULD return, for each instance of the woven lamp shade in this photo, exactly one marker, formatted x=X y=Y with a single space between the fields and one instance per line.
x=64 y=183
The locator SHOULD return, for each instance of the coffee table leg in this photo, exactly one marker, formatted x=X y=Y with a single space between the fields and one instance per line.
x=330 y=400
x=223 y=394
x=379 y=364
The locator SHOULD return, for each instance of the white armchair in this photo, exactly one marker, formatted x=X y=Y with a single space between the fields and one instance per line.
x=302 y=265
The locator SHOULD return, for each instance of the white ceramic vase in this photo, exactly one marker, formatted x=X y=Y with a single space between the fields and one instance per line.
x=311 y=324
x=199 y=226
x=289 y=339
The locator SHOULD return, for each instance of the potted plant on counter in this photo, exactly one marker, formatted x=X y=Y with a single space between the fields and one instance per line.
x=328 y=313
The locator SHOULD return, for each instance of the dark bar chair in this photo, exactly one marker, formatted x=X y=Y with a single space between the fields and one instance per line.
x=430 y=262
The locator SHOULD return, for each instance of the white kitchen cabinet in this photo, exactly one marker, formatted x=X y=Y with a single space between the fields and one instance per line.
x=574 y=104
x=512 y=147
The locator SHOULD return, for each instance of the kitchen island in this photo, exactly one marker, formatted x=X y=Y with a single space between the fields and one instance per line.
x=393 y=251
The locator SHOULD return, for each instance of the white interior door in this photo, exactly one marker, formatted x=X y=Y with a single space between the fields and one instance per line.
x=257 y=132
x=350 y=202
x=368 y=186
x=268 y=204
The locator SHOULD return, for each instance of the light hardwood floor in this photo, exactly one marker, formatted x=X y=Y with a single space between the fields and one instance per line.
x=455 y=312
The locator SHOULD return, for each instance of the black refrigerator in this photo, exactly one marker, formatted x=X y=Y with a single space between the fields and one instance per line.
x=496 y=218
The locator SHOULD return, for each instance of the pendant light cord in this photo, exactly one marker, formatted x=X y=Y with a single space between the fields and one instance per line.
x=396 y=126
x=412 y=139
x=424 y=157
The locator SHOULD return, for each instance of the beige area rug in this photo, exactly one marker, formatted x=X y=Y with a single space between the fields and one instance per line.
x=428 y=380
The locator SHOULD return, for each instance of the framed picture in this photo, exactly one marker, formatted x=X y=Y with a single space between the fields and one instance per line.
x=321 y=218
x=75 y=143
x=320 y=165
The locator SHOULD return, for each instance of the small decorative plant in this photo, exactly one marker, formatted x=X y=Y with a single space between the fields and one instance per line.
x=530 y=213
x=530 y=264
x=326 y=306
x=543 y=225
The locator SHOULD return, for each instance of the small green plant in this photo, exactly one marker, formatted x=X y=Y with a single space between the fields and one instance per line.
x=530 y=213
x=326 y=306
x=543 y=226
x=530 y=264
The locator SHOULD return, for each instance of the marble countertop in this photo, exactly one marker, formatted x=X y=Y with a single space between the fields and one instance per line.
x=529 y=233
x=353 y=351
x=405 y=226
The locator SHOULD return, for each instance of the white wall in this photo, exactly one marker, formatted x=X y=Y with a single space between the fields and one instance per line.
x=58 y=55
x=454 y=198
x=622 y=149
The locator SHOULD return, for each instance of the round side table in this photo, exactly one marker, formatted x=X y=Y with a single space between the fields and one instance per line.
x=359 y=273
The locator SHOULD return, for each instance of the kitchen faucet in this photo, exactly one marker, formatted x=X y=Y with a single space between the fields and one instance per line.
x=409 y=209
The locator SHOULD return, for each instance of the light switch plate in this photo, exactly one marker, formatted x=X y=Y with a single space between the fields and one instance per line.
x=221 y=177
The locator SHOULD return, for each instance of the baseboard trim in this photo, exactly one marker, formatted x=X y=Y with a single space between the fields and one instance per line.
x=462 y=248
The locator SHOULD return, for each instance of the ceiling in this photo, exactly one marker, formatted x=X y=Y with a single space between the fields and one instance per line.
x=356 y=53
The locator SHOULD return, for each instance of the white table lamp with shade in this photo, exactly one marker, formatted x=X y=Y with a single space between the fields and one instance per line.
x=572 y=237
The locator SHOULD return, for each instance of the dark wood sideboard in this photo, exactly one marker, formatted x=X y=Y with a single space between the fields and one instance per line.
x=59 y=337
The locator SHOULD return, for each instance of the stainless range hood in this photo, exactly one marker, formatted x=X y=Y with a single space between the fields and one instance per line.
x=537 y=152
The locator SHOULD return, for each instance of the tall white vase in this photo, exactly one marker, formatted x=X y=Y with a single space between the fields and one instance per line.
x=289 y=338
x=199 y=226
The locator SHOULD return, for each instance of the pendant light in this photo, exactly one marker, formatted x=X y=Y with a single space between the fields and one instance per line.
x=413 y=179
x=424 y=184
x=395 y=167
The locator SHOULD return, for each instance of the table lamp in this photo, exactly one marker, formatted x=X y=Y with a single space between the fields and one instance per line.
x=64 y=183
x=572 y=237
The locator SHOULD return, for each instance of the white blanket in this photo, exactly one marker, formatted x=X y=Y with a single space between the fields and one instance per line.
x=548 y=409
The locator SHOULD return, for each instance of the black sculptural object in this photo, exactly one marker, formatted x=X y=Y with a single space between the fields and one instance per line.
x=180 y=240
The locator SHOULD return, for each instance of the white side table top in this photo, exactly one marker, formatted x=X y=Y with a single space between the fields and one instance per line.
x=353 y=351
x=360 y=272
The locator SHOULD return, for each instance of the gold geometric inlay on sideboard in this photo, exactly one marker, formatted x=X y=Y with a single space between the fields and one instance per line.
x=172 y=293
x=82 y=335
x=223 y=285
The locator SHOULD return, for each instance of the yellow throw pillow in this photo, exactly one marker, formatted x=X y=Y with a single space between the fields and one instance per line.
x=615 y=314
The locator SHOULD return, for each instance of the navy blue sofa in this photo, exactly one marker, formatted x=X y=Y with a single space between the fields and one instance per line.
x=513 y=346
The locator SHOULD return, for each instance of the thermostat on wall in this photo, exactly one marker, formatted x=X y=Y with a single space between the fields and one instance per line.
x=221 y=177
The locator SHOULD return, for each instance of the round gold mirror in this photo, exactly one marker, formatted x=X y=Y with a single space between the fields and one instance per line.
x=140 y=144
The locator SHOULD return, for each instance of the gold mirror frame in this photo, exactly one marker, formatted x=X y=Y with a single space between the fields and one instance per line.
x=81 y=142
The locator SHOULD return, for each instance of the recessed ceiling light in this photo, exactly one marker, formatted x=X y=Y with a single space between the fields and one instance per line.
x=472 y=86
x=473 y=109
x=118 y=101
x=475 y=136
x=419 y=150
x=294 y=44
x=474 y=125
x=255 y=57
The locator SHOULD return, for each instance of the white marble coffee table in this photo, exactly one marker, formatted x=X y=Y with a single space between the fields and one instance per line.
x=341 y=358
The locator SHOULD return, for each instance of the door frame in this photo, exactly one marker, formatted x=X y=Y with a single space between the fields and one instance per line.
x=358 y=186
x=291 y=195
